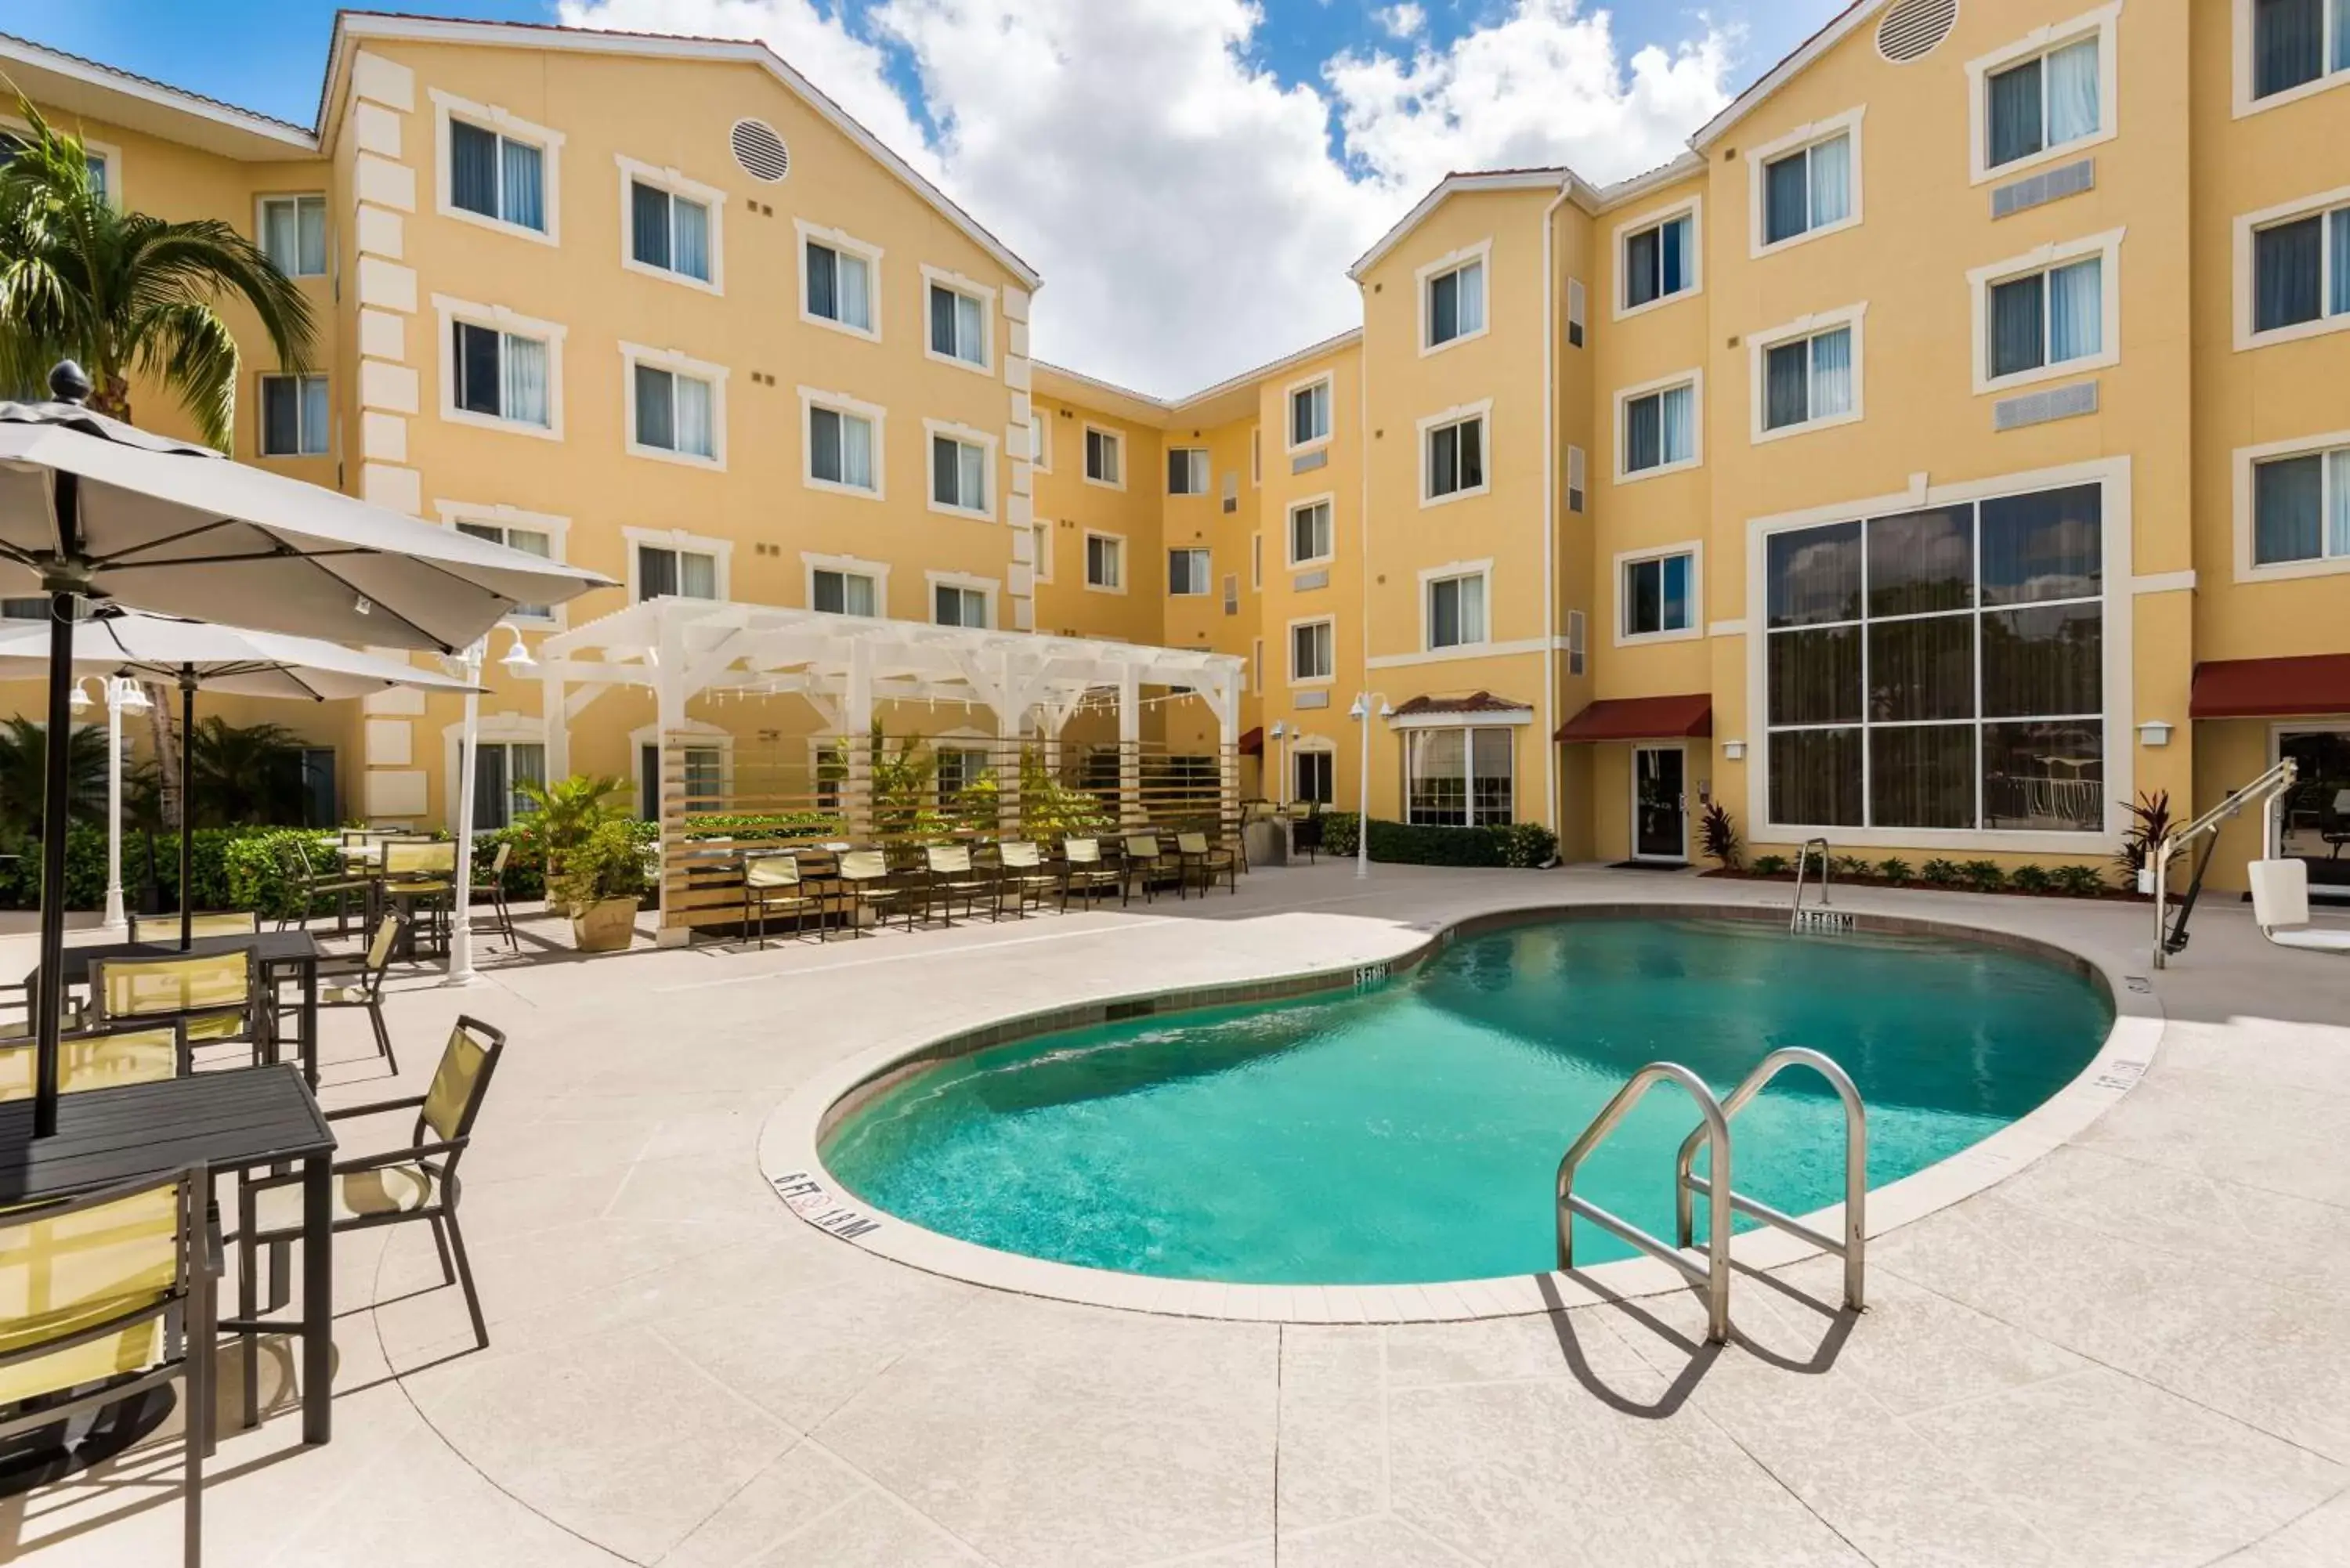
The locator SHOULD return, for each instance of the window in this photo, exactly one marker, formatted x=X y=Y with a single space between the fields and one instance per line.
x=294 y=235
x=1807 y=379
x=1459 y=778
x=1040 y=439
x=671 y=231
x=1659 y=261
x=1659 y=595
x=953 y=604
x=1575 y=310
x=1456 y=610
x=960 y=767
x=1659 y=428
x=839 y=278
x=1106 y=563
x=1313 y=782
x=1454 y=458
x=1574 y=641
x=958 y=325
x=1576 y=485
x=1808 y=189
x=495 y=176
x=96 y=157
x=1044 y=565
x=666 y=572
x=1452 y=303
x=499 y=769
x=704 y=781
x=1187 y=471
x=2296 y=42
x=844 y=448
x=537 y=542
x=2301 y=508
x=1312 y=651
x=2047 y=319
x=294 y=417
x=1939 y=669
x=2301 y=269
x=1188 y=573
x=1256 y=456
x=844 y=593
x=673 y=412
x=1232 y=592
x=1257 y=563
x=1309 y=534
x=1105 y=451
x=1309 y=414
x=500 y=375
x=2049 y=100
x=959 y=474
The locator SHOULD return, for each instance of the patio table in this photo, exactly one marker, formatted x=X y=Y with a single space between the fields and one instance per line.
x=277 y=951
x=226 y=1122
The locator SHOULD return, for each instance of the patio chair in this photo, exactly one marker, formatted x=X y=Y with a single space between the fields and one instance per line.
x=218 y=996
x=772 y=881
x=1306 y=835
x=418 y=877
x=105 y=1296
x=415 y=1181
x=2281 y=908
x=310 y=887
x=951 y=875
x=1084 y=870
x=868 y=883
x=491 y=881
x=1144 y=860
x=1021 y=871
x=99 y=1059
x=1195 y=857
x=356 y=980
x=203 y=923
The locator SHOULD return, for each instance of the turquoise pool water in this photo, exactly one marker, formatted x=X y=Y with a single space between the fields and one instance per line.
x=1413 y=1131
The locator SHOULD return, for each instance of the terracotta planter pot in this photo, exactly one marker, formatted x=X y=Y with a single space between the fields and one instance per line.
x=605 y=925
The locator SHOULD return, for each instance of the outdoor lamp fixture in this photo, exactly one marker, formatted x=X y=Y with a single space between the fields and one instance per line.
x=518 y=661
x=1360 y=712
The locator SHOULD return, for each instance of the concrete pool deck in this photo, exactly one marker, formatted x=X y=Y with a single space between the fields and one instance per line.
x=2133 y=1350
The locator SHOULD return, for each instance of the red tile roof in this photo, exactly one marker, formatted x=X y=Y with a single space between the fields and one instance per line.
x=1475 y=702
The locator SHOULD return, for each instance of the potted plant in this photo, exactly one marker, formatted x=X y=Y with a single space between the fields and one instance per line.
x=602 y=881
x=565 y=814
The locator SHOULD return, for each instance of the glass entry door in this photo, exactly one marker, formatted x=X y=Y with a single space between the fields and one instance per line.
x=1659 y=803
x=2314 y=817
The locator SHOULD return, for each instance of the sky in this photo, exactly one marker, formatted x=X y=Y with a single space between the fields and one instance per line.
x=1193 y=177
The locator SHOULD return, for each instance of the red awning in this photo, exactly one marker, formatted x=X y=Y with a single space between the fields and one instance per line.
x=1641 y=719
x=2259 y=688
x=1253 y=743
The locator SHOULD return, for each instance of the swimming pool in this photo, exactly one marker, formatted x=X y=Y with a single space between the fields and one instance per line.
x=1411 y=1131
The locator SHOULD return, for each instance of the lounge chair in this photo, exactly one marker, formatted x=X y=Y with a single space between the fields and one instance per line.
x=771 y=881
x=203 y=923
x=866 y=879
x=217 y=995
x=952 y=877
x=1021 y=871
x=1195 y=857
x=1083 y=869
x=2281 y=908
x=1144 y=860
x=356 y=980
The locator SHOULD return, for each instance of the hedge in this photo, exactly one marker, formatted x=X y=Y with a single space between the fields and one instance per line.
x=1515 y=844
x=20 y=879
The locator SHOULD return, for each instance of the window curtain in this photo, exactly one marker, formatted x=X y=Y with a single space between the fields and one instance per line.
x=656 y=409
x=942 y=321
x=526 y=763
x=2018 y=326
x=696 y=428
x=281 y=416
x=1787 y=200
x=1444 y=461
x=649 y=225
x=1438 y=765
x=1472 y=295
x=2337 y=502
x=524 y=201
x=697 y=576
x=2015 y=125
x=1472 y=598
x=1641 y=266
x=1644 y=608
x=943 y=472
x=1786 y=385
x=656 y=572
x=692 y=238
x=2288 y=510
x=1674 y=575
x=2077 y=310
x=1444 y=613
x=825 y=445
x=1443 y=308
x=1832 y=374
x=314 y=415
x=2044 y=546
x=1472 y=453
x=824 y=284
x=2338 y=285
x=971 y=464
x=1641 y=421
x=526 y=380
x=855 y=306
x=856 y=453
x=311 y=250
x=828 y=592
x=491 y=793
x=1673 y=259
x=1678 y=423
x=473 y=168
x=2289 y=43
x=856 y=596
x=280 y=233
x=2073 y=98
x=1490 y=774
x=1831 y=180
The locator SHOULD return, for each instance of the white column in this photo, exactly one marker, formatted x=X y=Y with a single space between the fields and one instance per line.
x=461 y=896
x=856 y=727
x=116 y=688
x=669 y=717
x=1129 y=744
x=558 y=726
x=1228 y=756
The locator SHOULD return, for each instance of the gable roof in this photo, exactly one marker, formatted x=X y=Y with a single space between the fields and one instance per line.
x=1797 y=61
x=101 y=91
x=1227 y=400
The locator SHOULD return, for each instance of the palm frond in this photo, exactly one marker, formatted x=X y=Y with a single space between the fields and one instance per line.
x=189 y=348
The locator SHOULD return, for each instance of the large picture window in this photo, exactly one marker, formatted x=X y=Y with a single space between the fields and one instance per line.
x=2296 y=42
x=2301 y=508
x=1941 y=668
x=2301 y=269
x=1459 y=778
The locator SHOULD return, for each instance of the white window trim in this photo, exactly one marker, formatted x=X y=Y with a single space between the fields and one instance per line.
x=1117 y=436
x=451 y=311
x=850 y=566
x=1207 y=592
x=506 y=729
x=635 y=354
x=1040 y=423
x=987 y=588
x=491 y=118
x=2240 y=71
x=2102 y=22
x=260 y=224
x=1459 y=414
x=2244 y=280
x=1802 y=138
x=1040 y=531
x=971 y=288
x=1695 y=381
x=706 y=736
x=1578 y=481
x=1759 y=346
x=110 y=155
x=1695 y=550
x=676 y=184
x=1125 y=564
x=811 y=397
x=720 y=551
x=2242 y=461
x=2107 y=245
x=932 y=430
x=1206 y=495
x=500 y=515
x=1482 y=255
x=1289 y=412
x=1256 y=456
x=1289 y=646
x=1578 y=309
x=840 y=240
x=260 y=414
x=1289 y=532
x=1694 y=205
x=1449 y=572
x=2120 y=620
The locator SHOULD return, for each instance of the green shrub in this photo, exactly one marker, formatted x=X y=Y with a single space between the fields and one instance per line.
x=146 y=860
x=1852 y=866
x=1896 y=870
x=609 y=863
x=1517 y=844
x=2080 y=881
x=1941 y=873
x=1770 y=866
x=1983 y=875
x=1338 y=830
x=2030 y=879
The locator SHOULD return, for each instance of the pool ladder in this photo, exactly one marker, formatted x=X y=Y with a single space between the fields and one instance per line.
x=1712 y=1276
x=1822 y=917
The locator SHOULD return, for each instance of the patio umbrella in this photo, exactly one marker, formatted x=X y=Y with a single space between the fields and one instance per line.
x=91 y=506
x=191 y=654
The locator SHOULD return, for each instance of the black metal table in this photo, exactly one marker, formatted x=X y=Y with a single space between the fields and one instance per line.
x=226 y=1122
x=277 y=952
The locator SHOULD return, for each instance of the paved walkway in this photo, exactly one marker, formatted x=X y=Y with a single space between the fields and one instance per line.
x=2134 y=1352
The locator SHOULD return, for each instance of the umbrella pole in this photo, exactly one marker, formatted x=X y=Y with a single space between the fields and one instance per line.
x=187 y=806
x=49 y=1004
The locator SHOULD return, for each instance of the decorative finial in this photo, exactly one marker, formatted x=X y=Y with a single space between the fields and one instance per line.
x=68 y=383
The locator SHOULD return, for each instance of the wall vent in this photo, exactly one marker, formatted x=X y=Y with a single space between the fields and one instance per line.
x=760 y=151
x=2039 y=190
x=2040 y=408
x=1913 y=27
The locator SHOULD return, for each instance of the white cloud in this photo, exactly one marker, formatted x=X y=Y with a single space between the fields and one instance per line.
x=1403 y=21
x=1191 y=215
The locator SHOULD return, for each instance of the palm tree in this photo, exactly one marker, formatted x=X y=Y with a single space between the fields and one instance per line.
x=242 y=775
x=126 y=292
x=24 y=763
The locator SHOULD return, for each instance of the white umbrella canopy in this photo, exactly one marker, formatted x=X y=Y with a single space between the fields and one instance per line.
x=163 y=649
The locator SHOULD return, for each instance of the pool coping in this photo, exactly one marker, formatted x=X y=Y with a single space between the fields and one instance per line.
x=790 y=1141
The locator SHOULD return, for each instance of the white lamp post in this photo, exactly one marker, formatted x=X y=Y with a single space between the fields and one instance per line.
x=122 y=695
x=1280 y=762
x=1361 y=713
x=518 y=663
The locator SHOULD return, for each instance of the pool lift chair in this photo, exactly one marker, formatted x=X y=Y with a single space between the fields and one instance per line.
x=2281 y=908
x=2170 y=932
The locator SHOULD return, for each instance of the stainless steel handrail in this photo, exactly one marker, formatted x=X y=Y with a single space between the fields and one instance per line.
x=1714 y=1277
x=1854 y=1248
x=1804 y=859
